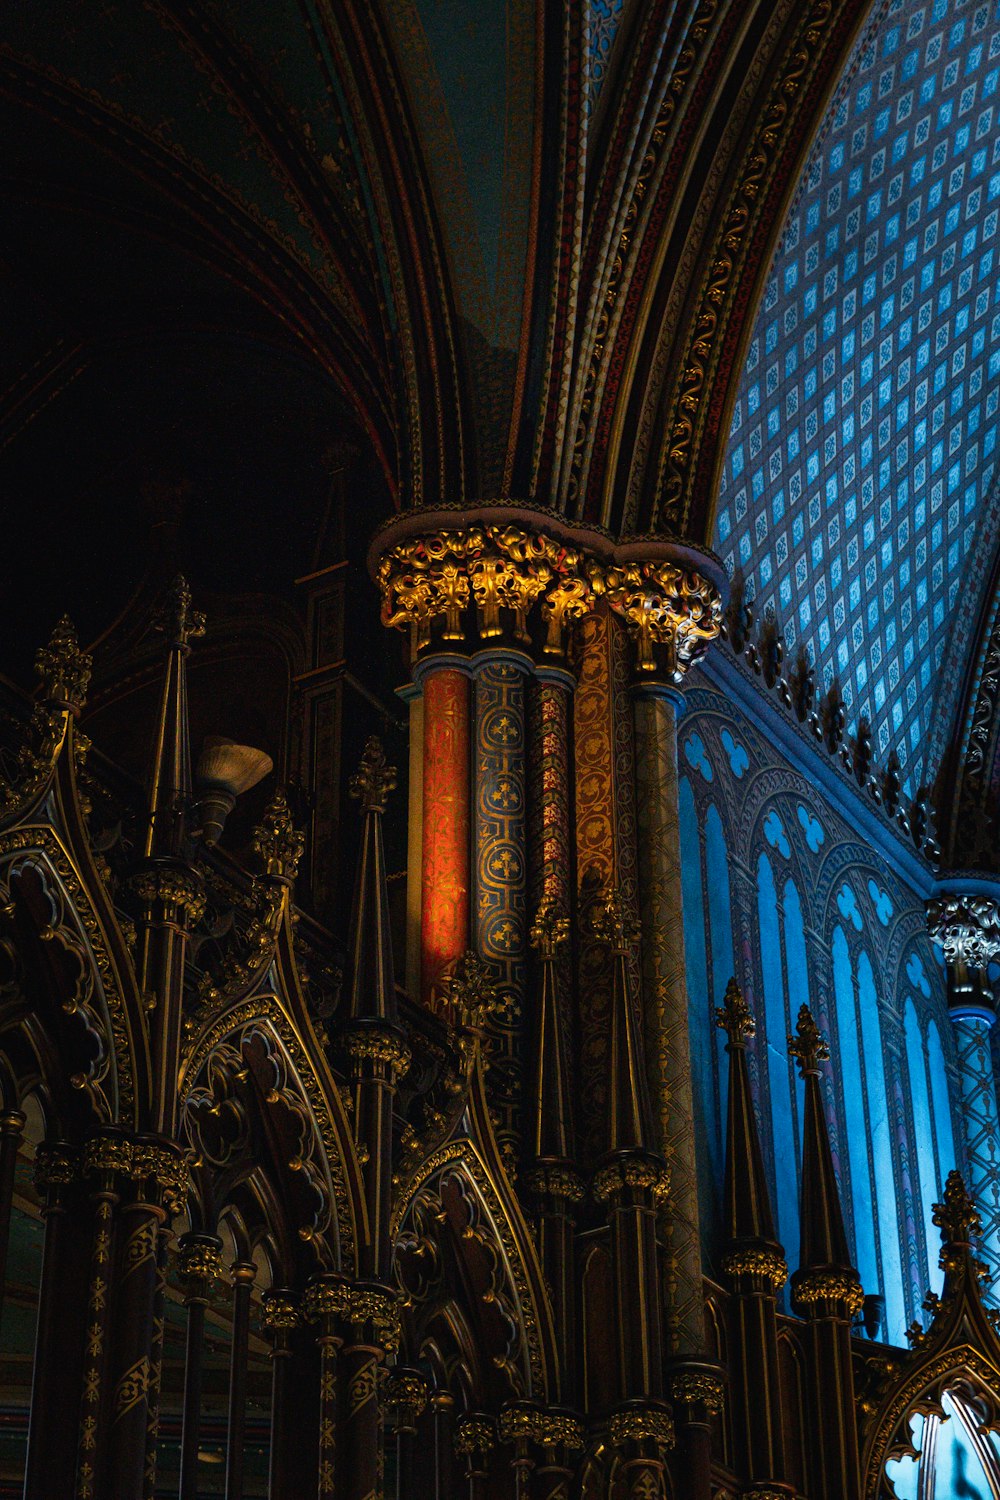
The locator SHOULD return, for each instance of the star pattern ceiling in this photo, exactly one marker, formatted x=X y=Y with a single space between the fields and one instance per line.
x=857 y=489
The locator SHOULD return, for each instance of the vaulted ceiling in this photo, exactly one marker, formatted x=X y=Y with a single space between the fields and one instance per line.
x=711 y=268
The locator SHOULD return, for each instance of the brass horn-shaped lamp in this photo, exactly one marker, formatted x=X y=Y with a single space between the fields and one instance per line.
x=225 y=770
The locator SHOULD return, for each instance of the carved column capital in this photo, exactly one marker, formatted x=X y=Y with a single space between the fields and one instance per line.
x=965 y=927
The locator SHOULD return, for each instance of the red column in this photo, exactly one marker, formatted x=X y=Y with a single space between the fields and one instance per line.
x=444 y=919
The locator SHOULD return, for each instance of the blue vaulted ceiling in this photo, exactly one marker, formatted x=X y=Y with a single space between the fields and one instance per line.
x=858 y=491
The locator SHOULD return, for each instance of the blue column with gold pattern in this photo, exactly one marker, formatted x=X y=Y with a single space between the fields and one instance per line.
x=500 y=920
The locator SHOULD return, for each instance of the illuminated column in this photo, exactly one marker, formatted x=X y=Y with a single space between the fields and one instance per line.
x=500 y=870
x=444 y=893
x=966 y=926
x=604 y=769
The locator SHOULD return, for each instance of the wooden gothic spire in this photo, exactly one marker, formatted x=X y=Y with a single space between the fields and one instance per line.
x=823 y=1236
x=747 y=1215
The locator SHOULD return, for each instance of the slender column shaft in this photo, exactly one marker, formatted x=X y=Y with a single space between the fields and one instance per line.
x=415 y=844
x=754 y=1379
x=666 y=1000
x=93 y=1411
x=500 y=875
x=444 y=904
x=191 y=1415
x=156 y=1366
x=442 y=1419
x=137 y=1278
x=362 y=1424
x=837 y=1464
x=51 y=1455
x=605 y=840
x=281 y=1318
x=243 y=1274
x=11 y=1130
x=200 y=1264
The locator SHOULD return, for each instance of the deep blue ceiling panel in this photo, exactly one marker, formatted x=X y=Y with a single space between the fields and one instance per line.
x=862 y=451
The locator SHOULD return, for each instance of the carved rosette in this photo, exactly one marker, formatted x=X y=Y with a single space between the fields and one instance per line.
x=514 y=574
x=965 y=928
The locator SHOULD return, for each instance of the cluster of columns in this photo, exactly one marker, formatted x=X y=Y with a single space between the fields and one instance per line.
x=543 y=806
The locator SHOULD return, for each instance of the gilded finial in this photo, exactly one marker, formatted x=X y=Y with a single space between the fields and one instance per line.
x=550 y=931
x=957 y=1216
x=733 y=1016
x=470 y=992
x=374 y=779
x=176 y=618
x=276 y=839
x=613 y=925
x=63 y=668
x=809 y=1045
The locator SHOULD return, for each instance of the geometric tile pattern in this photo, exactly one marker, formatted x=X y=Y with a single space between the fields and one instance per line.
x=862 y=449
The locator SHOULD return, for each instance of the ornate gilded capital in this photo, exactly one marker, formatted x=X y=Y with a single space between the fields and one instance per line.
x=734 y=1017
x=380 y=1045
x=378 y=1307
x=666 y=605
x=374 y=778
x=407 y=1389
x=469 y=991
x=278 y=842
x=279 y=1313
x=965 y=928
x=461 y=576
x=326 y=1297
x=172 y=887
x=107 y=1156
x=161 y=1174
x=612 y=924
x=55 y=1166
x=699 y=1388
x=63 y=668
x=526 y=1422
x=808 y=1046
x=632 y=1174
x=555 y=1181
x=176 y=619
x=759 y=1263
x=638 y=1423
x=199 y=1264
x=475 y=1433
x=549 y=931
x=829 y=1285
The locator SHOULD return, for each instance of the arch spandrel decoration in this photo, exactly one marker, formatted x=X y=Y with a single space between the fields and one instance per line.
x=958 y=1353
x=304 y=1111
x=107 y=994
x=471 y=1160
